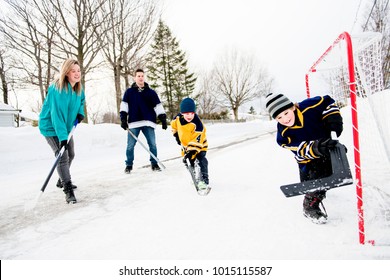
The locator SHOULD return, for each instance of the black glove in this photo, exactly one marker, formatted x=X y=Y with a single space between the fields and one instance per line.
x=124 y=125
x=334 y=123
x=64 y=143
x=176 y=135
x=123 y=116
x=321 y=147
x=337 y=127
x=79 y=118
x=163 y=119
x=190 y=155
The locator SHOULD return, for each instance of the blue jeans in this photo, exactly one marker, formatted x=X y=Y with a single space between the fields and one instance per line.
x=150 y=138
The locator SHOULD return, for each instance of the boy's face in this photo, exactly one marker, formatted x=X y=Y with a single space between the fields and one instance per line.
x=189 y=116
x=287 y=117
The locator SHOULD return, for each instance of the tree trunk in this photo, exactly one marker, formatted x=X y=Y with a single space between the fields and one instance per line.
x=235 y=112
x=118 y=91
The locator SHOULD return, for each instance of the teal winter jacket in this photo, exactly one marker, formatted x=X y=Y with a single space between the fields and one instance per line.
x=59 y=112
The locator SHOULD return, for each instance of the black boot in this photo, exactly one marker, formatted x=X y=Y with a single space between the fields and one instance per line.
x=128 y=169
x=59 y=184
x=155 y=167
x=69 y=194
x=311 y=207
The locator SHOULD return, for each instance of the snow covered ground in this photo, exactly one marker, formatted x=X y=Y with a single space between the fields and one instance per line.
x=158 y=216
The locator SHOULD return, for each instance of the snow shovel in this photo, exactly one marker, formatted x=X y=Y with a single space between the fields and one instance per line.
x=58 y=157
x=341 y=176
x=31 y=204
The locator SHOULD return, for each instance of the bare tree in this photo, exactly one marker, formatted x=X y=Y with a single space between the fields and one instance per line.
x=28 y=33
x=128 y=26
x=3 y=71
x=79 y=30
x=377 y=18
x=239 y=79
x=206 y=99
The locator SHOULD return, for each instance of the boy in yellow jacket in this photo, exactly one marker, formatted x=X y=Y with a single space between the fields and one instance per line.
x=190 y=133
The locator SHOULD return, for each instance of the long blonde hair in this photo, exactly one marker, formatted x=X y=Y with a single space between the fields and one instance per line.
x=61 y=80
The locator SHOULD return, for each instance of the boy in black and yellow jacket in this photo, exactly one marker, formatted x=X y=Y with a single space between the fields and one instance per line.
x=305 y=129
x=190 y=133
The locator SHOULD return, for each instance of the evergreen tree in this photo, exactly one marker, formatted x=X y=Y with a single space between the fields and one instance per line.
x=167 y=70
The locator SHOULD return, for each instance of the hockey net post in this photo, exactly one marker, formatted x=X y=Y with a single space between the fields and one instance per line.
x=350 y=71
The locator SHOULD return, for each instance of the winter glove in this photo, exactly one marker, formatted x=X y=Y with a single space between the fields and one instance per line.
x=79 y=118
x=176 y=135
x=124 y=124
x=337 y=127
x=190 y=155
x=163 y=119
x=334 y=123
x=321 y=147
x=64 y=143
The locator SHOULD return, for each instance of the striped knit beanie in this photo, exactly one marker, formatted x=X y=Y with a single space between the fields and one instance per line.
x=277 y=103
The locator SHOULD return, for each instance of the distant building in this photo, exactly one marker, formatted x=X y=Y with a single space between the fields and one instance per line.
x=9 y=116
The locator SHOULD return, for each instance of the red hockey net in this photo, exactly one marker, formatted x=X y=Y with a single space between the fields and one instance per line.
x=350 y=70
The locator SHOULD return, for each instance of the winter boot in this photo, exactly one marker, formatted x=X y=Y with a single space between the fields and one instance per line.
x=128 y=169
x=202 y=185
x=155 y=167
x=69 y=194
x=311 y=207
x=59 y=184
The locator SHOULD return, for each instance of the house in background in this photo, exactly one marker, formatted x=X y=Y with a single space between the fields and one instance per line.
x=9 y=116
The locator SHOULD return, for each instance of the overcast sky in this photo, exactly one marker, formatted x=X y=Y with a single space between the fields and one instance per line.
x=287 y=35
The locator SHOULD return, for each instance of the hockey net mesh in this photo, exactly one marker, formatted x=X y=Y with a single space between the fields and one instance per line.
x=331 y=76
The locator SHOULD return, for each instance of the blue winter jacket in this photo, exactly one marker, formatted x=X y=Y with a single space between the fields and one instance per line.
x=310 y=117
x=59 y=112
x=141 y=106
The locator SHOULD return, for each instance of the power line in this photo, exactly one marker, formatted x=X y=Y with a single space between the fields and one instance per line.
x=356 y=15
x=386 y=5
x=368 y=18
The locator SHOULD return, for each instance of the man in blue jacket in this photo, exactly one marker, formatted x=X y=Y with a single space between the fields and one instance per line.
x=139 y=110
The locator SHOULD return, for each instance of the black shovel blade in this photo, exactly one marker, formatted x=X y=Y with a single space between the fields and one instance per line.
x=341 y=176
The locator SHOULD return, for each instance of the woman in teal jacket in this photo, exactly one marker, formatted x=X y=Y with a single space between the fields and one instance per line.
x=63 y=105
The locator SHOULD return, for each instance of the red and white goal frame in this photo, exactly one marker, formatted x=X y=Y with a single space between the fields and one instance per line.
x=350 y=70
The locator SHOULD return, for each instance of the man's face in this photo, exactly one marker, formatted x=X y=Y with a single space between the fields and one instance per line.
x=139 y=79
